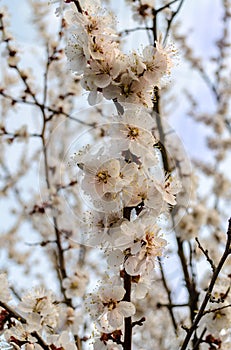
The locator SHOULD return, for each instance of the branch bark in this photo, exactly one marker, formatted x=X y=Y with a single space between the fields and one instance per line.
x=201 y=311
x=127 y=344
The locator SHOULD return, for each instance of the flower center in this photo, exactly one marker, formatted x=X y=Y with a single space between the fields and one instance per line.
x=111 y=305
x=40 y=304
x=74 y=285
x=103 y=176
x=133 y=132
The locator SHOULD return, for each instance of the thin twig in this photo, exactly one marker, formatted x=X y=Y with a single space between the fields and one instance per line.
x=171 y=20
x=45 y=107
x=168 y=294
x=205 y=252
x=127 y=31
x=165 y=6
x=172 y=305
x=42 y=243
x=216 y=309
x=139 y=322
x=199 y=340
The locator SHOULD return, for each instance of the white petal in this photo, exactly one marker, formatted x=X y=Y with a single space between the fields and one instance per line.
x=115 y=258
x=126 y=308
x=111 y=292
x=135 y=248
x=131 y=266
x=94 y=97
x=141 y=290
x=115 y=318
x=102 y=80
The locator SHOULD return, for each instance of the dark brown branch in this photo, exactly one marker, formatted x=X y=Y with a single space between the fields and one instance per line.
x=190 y=283
x=41 y=244
x=45 y=119
x=60 y=260
x=205 y=252
x=63 y=187
x=77 y=4
x=200 y=313
x=165 y=6
x=45 y=87
x=127 y=31
x=154 y=27
x=13 y=136
x=171 y=305
x=127 y=344
x=199 y=340
x=191 y=265
x=156 y=109
x=139 y=322
x=174 y=14
x=216 y=309
x=168 y=294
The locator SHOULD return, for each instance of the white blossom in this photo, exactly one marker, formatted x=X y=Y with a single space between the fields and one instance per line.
x=168 y=186
x=75 y=284
x=109 y=308
x=134 y=131
x=40 y=307
x=157 y=61
x=21 y=332
x=145 y=248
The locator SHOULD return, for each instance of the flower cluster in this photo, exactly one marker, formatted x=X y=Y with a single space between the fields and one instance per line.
x=123 y=179
x=126 y=170
x=39 y=320
x=142 y=243
x=40 y=308
x=93 y=51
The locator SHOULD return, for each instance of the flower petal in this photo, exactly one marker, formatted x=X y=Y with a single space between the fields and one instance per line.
x=126 y=308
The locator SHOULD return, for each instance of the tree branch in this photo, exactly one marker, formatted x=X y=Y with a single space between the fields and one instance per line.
x=171 y=20
x=216 y=309
x=165 y=6
x=168 y=294
x=205 y=252
x=200 y=313
x=127 y=344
